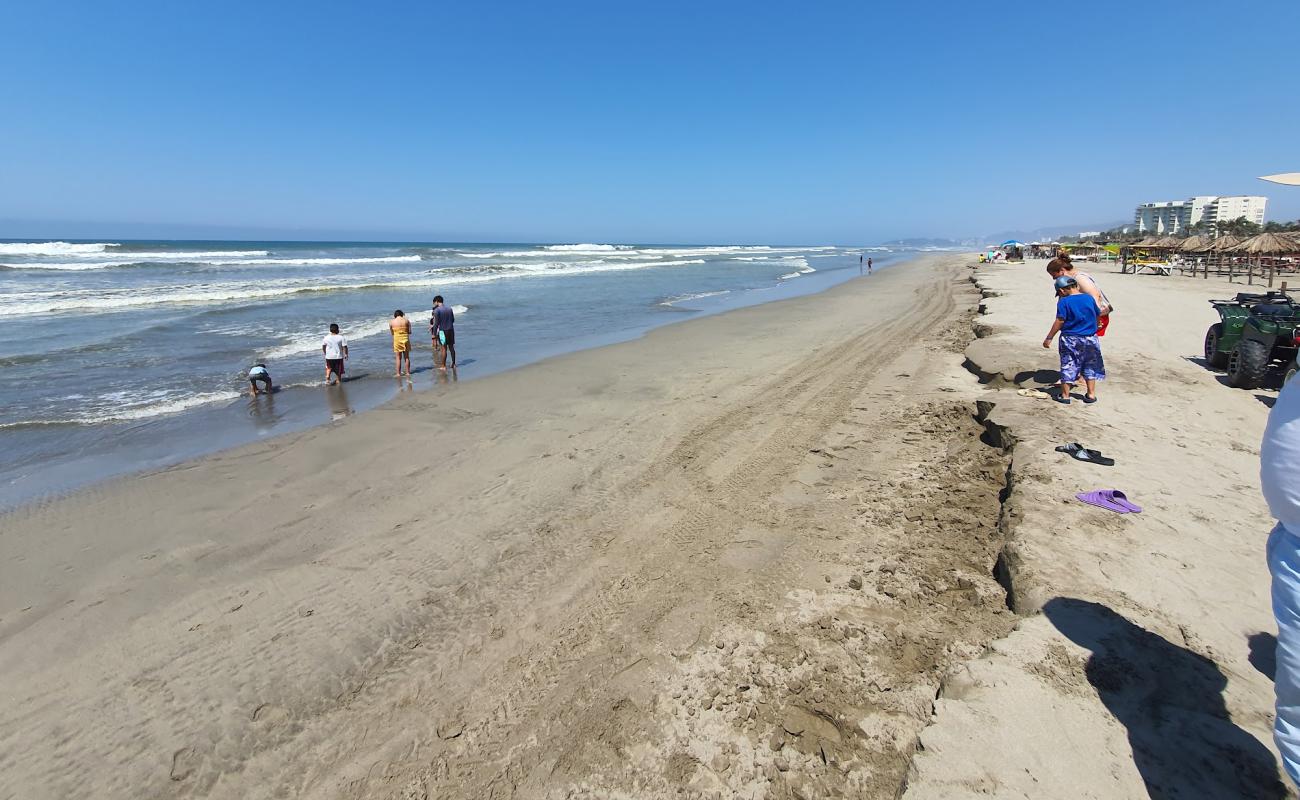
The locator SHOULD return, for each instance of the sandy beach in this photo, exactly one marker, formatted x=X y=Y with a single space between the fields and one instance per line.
x=738 y=557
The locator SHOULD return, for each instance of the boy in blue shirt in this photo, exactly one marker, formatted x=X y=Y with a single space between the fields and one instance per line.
x=1076 y=321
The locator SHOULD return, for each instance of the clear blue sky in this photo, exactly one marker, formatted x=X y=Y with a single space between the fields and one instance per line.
x=817 y=122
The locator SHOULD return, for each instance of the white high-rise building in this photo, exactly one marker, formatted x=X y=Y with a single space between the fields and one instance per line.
x=1173 y=216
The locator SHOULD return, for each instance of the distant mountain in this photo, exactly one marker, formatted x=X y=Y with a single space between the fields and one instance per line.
x=1050 y=232
x=931 y=242
x=1036 y=235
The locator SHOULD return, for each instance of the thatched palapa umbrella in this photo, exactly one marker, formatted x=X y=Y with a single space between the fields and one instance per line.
x=1224 y=243
x=1265 y=246
x=1195 y=244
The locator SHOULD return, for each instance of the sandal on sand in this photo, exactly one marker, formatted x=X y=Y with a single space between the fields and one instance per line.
x=1081 y=453
x=1089 y=400
x=1111 y=500
x=1034 y=393
x=1120 y=499
x=1063 y=399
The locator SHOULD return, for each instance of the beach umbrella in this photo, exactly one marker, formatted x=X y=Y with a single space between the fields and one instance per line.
x=1195 y=244
x=1168 y=242
x=1010 y=241
x=1286 y=178
x=1224 y=243
x=1266 y=244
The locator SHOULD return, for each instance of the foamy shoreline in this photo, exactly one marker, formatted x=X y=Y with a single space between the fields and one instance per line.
x=72 y=434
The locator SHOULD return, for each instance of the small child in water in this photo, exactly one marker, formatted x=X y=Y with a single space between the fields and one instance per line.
x=1076 y=321
x=259 y=373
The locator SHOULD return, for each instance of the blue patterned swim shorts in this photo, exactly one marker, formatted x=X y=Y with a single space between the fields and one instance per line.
x=1081 y=355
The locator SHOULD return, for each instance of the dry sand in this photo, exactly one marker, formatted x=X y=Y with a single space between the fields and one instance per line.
x=737 y=557
x=1143 y=665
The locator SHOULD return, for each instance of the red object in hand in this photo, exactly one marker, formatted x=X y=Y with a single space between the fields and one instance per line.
x=1102 y=322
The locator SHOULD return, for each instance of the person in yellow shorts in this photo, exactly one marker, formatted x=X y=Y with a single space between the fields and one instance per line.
x=401 y=329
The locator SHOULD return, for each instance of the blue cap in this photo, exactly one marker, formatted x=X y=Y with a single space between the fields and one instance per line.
x=1065 y=281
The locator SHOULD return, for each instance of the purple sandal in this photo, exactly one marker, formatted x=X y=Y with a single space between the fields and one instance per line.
x=1111 y=500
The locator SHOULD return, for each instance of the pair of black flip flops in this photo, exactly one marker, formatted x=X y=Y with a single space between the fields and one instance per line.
x=1081 y=453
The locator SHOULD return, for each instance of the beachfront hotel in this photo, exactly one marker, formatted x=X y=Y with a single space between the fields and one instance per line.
x=1173 y=216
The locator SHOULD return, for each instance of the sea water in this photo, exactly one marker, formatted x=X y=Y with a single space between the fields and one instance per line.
x=118 y=356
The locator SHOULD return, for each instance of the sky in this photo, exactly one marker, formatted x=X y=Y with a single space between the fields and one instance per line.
x=676 y=122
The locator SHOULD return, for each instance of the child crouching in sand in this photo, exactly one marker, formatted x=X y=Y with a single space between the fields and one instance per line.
x=1076 y=321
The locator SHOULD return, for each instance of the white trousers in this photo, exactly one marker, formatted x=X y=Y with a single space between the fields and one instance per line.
x=1284 y=565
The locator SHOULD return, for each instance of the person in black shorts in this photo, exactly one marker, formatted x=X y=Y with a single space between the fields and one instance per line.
x=335 y=348
x=443 y=329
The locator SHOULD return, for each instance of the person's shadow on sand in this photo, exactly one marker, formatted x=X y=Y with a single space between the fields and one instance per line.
x=1170 y=700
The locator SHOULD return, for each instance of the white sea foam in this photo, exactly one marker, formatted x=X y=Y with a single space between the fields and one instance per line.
x=127 y=407
x=310 y=341
x=672 y=301
x=210 y=259
x=33 y=303
x=788 y=277
x=51 y=248
x=304 y=262
x=187 y=255
x=588 y=248
x=576 y=268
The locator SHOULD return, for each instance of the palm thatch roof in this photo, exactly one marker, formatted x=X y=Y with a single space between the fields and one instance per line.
x=1268 y=244
x=1147 y=242
x=1168 y=241
x=1224 y=242
x=1195 y=244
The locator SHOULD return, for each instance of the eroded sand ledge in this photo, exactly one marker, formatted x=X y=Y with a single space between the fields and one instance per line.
x=1140 y=667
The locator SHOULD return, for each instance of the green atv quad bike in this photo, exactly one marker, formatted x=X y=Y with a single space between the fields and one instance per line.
x=1257 y=333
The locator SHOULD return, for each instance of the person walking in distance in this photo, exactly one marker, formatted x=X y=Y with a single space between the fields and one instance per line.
x=400 y=327
x=868 y=266
x=335 y=348
x=443 y=328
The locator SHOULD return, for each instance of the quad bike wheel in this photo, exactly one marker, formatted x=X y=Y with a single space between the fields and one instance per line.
x=1291 y=370
x=1247 y=364
x=1213 y=357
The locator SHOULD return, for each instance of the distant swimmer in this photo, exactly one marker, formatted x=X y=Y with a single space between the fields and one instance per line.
x=401 y=329
x=443 y=328
x=257 y=374
x=335 y=348
x=859 y=263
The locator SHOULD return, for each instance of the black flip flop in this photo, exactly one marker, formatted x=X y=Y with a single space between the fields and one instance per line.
x=1081 y=453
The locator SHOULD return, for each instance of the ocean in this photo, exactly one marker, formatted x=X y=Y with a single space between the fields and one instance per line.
x=120 y=356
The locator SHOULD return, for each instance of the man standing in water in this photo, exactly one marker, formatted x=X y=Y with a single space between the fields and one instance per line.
x=443 y=328
x=400 y=327
x=868 y=266
x=335 y=348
